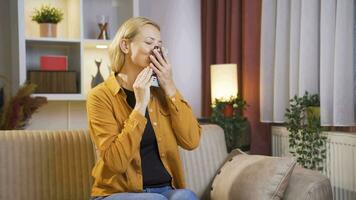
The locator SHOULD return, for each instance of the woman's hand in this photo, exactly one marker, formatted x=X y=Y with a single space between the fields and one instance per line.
x=162 y=67
x=141 y=88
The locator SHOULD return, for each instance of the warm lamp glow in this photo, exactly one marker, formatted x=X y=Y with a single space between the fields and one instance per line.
x=223 y=81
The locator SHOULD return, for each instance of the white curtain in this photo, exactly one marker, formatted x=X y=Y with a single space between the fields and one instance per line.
x=308 y=45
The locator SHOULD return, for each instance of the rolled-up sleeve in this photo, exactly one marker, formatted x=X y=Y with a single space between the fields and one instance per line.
x=185 y=126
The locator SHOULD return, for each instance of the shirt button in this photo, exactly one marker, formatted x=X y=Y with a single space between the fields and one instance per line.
x=150 y=110
x=159 y=139
x=173 y=99
x=162 y=154
x=154 y=123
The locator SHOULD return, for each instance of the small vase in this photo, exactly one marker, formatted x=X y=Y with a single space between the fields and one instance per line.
x=48 y=30
x=312 y=112
x=103 y=23
x=228 y=110
x=98 y=78
x=103 y=31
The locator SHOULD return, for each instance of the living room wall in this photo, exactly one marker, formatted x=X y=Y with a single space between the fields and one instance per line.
x=181 y=36
x=5 y=39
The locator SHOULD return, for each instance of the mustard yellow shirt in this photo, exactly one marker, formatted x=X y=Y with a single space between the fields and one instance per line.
x=116 y=130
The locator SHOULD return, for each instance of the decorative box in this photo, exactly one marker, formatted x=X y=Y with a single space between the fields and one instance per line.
x=53 y=63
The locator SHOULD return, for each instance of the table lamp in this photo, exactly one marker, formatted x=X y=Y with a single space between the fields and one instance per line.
x=224 y=84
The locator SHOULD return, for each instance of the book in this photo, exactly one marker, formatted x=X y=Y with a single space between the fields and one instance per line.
x=53 y=63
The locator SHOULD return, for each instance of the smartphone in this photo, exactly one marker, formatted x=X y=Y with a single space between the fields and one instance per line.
x=155 y=82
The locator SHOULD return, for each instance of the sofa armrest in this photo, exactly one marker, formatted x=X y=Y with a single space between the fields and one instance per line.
x=307 y=185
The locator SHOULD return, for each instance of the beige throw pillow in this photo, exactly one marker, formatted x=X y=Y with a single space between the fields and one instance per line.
x=251 y=177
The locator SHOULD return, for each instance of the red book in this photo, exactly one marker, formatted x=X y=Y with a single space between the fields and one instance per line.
x=54 y=63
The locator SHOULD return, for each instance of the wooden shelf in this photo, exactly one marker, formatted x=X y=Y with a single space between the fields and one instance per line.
x=36 y=49
x=93 y=43
x=59 y=40
x=117 y=12
x=68 y=28
x=62 y=97
x=76 y=39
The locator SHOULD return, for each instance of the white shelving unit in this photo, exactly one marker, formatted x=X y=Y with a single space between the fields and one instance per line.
x=76 y=38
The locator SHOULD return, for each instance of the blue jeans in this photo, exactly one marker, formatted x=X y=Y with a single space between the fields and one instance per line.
x=161 y=193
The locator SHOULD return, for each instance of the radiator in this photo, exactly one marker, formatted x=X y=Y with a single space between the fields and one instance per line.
x=340 y=163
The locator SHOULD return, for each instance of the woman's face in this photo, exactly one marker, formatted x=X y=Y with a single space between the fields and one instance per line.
x=143 y=43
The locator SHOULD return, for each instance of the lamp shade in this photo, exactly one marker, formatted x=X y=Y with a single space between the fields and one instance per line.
x=223 y=81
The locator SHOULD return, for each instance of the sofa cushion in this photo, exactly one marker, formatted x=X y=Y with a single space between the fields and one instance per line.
x=201 y=164
x=252 y=177
x=308 y=184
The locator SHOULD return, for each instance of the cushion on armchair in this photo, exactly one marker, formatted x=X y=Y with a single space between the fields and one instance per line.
x=252 y=177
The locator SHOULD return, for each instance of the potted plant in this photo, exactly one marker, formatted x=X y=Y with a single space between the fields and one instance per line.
x=16 y=111
x=47 y=17
x=312 y=104
x=306 y=141
x=228 y=115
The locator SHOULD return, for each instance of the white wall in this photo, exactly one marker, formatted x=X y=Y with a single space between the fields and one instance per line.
x=181 y=34
x=5 y=51
x=180 y=27
x=60 y=115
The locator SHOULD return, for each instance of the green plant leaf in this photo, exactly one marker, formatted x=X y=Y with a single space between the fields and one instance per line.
x=47 y=14
x=305 y=138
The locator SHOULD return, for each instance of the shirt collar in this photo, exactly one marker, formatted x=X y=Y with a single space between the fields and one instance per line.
x=113 y=84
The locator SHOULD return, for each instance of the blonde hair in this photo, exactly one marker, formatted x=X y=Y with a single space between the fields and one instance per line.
x=128 y=30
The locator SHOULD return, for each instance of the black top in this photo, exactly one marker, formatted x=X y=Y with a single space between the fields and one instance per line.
x=153 y=171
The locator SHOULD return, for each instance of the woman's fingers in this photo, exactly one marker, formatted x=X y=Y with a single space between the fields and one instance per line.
x=160 y=69
x=159 y=57
x=156 y=63
x=155 y=69
x=147 y=78
x=141 y=76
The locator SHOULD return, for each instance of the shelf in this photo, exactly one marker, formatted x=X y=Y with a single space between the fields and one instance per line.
x=65 y=28
x=58 y=40
x=117 y=11
x=62 y=97
x=90 y=54
x=76 y=38
x=35 y=49
x=93 y=43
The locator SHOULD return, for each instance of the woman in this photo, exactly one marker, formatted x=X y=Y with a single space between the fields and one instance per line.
x=137 y=128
